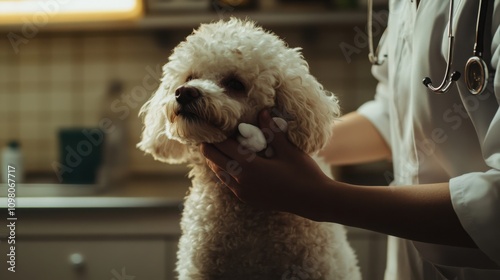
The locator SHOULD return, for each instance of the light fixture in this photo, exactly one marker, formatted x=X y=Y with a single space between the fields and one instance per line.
x=52 y=11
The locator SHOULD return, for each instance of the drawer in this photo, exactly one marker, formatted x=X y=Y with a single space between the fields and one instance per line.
x=91 y=259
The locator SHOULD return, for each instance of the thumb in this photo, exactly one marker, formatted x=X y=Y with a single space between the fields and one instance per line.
x=274 y=131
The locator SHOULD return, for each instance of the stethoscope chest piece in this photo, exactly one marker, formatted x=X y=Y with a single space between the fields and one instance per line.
x=476 y=75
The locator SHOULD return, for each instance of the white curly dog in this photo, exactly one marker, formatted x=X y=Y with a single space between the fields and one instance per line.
x=221 y=76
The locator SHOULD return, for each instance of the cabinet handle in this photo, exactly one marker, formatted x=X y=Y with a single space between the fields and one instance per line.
x=77 y=260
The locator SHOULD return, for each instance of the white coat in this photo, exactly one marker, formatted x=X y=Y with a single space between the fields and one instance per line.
x=452 y=137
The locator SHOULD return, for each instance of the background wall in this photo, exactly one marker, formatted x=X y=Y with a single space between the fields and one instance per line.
x=61 y=80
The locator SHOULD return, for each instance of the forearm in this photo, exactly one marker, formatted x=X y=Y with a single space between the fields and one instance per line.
x=355 y=140
x=292 y=182
x=422 y=213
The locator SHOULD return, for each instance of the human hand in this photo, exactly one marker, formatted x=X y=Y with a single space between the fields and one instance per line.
x=285 y=182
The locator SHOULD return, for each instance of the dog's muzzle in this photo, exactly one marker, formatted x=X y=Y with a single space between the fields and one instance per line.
x=185 y=95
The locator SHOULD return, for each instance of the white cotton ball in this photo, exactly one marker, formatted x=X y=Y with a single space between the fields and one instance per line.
x=251 y=137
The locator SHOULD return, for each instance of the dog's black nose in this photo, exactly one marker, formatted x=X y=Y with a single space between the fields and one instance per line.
x=185 y=95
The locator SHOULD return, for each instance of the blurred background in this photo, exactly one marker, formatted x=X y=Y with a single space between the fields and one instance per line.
x=73 y=76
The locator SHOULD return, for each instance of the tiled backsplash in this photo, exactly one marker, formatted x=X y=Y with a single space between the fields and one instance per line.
x=61 y=80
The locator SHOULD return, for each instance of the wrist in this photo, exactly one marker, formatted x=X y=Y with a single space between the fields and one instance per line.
x=318 y=202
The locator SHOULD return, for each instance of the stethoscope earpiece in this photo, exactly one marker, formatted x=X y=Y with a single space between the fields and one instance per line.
x=455 y=76
x=426 y=81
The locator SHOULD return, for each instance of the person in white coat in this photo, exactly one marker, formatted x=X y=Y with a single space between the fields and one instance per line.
x=442 y=210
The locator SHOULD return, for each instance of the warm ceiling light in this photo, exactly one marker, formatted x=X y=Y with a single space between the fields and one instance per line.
x=46 y=11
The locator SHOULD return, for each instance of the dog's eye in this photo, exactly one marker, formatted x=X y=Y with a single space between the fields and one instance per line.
x=233 y=84
x=189 y=78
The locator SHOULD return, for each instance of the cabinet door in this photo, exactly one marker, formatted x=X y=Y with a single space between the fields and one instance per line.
x=371 y=249
x=90 y=260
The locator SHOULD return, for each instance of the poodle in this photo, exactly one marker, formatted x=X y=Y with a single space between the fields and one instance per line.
x=213 y=86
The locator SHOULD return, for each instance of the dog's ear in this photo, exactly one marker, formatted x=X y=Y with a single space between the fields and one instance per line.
x=309 y=109
x=154 y=140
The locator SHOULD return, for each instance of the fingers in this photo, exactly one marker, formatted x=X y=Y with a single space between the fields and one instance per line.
x=226 y=156
x=226 y=180
x=214 y=156
x=224 y=177
x=236 y=151
x=224 y=167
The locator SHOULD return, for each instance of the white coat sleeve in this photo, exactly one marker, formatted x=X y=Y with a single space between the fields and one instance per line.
x=377 y=110
x=476 y=196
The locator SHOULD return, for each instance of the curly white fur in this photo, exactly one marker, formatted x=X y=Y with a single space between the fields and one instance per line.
x=236 y=69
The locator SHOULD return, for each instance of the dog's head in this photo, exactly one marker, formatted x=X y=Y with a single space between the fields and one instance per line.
x=223 y=74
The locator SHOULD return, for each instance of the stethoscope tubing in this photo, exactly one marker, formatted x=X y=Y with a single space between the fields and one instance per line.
x=475 y=83
x=448 y=78
x=372 y=55
x=480 y=28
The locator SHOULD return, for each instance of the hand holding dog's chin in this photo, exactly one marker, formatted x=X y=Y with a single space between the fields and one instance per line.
x=289 y=181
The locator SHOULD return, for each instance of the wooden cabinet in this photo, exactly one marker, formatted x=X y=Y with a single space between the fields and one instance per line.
x=371 y=250
x=91 y=259
x=112 y=238
x=94 y=244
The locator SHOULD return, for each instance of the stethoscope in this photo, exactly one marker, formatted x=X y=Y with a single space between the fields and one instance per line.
x=476 y=69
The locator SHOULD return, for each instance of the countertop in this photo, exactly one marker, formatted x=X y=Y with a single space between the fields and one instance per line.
x=135 y=192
